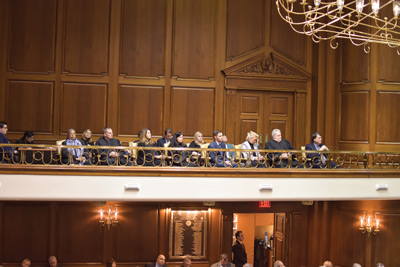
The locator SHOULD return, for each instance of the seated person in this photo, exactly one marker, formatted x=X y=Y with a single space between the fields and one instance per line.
x=160 y=262
x=187 y=261
x=166 y=139
x=112 y=156
x=72 y=155
x=223 y=261
x=86 y=139
x=111 y=263
x=6 y=151
x=148 y=157
x=195 y=156
x=179 y=157
x=26 y=139
x=253 y=159
x=318 y=160
x=229 y=154
x=219 y=158
x=279 y=159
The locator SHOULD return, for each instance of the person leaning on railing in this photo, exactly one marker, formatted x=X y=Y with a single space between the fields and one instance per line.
x=148 y=157
x=179 y=157
x=26 y=139
x=195 y=156
x=253 y=159
x=279 y=159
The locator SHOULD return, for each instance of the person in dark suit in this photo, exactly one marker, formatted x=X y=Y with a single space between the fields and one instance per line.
x=279 y=159
x=223 y=261
x=5 y=152
x=187 y=261
x=179 y=157
x=26 y=139
x=239 y=251
x=318 y=160
x=219 y=158
x=160 y=262
x=166 y=139
x=112 y=156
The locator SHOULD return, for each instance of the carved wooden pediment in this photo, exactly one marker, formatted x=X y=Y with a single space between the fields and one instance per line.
x=269 y=66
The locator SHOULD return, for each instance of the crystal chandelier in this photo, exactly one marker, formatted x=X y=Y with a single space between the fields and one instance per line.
x=361 y=22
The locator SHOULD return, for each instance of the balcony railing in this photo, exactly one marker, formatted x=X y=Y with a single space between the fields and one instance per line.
x=134 y=156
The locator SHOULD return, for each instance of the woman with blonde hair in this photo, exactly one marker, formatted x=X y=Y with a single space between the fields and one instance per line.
x=86 y=139
x=196 y=143
x=254 y=158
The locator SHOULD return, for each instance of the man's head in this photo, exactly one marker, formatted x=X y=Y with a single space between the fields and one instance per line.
x=168 y=134
x=3 y=127
x=161 y=260
x=217 y=136
x=239 y=236
x=279 y=264
x=52 y=261
x=29 y=136
x=26 y=263
x=380 y=265
x=71 y=134
x=316 y=138
x=328 y=264
x=187 y=262
x=223 y=259
x=356 y=265
x=276 y=135
x=108 y=133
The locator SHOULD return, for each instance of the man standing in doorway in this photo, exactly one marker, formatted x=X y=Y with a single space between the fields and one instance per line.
x=239 y=251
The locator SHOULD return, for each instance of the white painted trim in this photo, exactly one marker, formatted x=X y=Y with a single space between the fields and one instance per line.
x=156 y=188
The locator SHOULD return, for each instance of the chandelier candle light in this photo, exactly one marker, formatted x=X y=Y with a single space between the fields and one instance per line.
x=361 y=22
x=369 y=225
x=110 y=218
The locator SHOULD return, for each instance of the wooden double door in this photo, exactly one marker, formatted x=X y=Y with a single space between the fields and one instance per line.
x=261 y=112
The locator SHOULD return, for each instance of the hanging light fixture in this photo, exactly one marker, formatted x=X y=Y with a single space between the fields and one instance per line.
x=359 y=21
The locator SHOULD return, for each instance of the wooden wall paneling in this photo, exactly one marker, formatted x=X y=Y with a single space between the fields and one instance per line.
x=279 y=236
x=143 y=38
x=251 y=114
x=279 y=113
x=286 y=41
x=390 y=231
x=78 y=230
x=388 y=64
x=194 y=39
x=227 y=233
x=387 y=116
x=25 y=231
x=136 y=236
x=300 y=127
x=355 y=63
x=32 y=36
x=83 y=106
x=349 y=242
x=4 y=39
x=86 y=37
x=192 y=110
x=30 y=106
x=354 y=116
x=297 y=250
x=231 y=114
x=245 y=27
x=140 y=107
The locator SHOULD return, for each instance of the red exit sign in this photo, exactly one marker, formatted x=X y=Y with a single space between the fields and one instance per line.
x=264 y=204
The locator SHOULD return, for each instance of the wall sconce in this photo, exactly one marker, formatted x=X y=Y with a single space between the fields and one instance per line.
x=110 y=217
x=369 y=225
